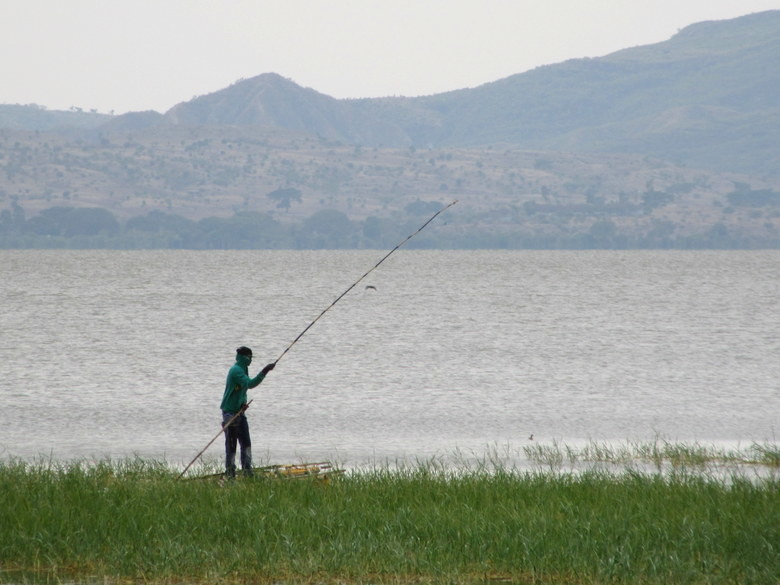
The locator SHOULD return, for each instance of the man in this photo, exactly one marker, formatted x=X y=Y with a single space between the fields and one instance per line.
x=234 y=403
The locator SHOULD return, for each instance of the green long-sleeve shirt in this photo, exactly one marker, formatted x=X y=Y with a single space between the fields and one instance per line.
x=237 y=383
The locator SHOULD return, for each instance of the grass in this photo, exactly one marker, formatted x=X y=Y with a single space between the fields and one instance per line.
x=133 y=521
x=662 y=455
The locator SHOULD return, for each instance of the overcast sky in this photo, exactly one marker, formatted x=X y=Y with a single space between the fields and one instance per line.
x=133 y=55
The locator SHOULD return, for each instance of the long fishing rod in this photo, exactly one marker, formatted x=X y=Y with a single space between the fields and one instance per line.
x=309 y=326
x=354 y=284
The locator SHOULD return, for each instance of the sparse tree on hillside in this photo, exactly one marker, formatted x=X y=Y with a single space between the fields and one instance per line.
x=284 y=197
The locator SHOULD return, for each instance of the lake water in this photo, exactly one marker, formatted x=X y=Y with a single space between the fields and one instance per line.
x=117 y=354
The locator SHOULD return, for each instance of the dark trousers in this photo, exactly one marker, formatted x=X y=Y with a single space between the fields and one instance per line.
x=237 y=433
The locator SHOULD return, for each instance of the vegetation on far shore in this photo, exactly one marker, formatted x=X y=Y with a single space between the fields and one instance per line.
x=97 y=228
x=134 y=520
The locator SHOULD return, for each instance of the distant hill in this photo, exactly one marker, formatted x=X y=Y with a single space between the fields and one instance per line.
x=668 y=145
x=35 y=117
x=133 y=121
x=273 y=101
x=707 y=97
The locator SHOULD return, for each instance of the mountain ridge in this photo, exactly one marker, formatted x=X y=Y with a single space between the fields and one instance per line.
x=608 y=104
x=671 y=144
x=646 y=100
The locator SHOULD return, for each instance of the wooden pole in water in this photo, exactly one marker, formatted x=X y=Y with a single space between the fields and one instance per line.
x=409 y=237
x=224 y=426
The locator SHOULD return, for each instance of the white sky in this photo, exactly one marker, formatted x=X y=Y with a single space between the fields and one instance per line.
x=132 y=55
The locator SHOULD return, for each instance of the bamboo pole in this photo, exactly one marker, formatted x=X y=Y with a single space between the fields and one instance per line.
x=342 y=295
x=202 y=451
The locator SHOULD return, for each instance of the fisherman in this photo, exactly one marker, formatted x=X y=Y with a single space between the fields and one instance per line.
x=234 y=403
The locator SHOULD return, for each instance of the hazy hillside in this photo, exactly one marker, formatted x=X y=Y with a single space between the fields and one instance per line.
x=669 y=145
x=34 y=117
x=271 y=100
x=707 y=98
x=318 y=193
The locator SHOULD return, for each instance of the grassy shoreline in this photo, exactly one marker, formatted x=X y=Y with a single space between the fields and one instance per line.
x=133 y=521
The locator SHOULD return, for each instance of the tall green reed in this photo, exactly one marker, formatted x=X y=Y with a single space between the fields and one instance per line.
x=133 y=520
x=661 y=454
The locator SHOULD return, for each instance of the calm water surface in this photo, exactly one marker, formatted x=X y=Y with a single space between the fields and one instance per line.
x=106 y=353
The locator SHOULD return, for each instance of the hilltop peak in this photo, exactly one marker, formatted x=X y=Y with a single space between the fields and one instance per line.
x=266 y=99
x=275 y=101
